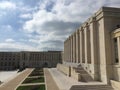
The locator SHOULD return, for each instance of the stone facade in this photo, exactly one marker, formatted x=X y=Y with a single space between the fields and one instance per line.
x=9 y=60
x=26 y=59
x=96 y=45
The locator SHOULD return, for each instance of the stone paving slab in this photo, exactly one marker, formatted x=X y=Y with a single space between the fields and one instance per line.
x=50 y=83
x=35 y=76
x=12 y=84
x=30 y=84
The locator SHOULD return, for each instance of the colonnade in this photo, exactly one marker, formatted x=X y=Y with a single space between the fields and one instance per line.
x=116 y=46
x=81 y=45
x=92 y=46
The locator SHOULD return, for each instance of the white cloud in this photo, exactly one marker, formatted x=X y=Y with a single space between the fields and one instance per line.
x=55 y=20
x=7 y=5
x=6 y=28
x=26 y=16
x=16 y=47
x=9 y=40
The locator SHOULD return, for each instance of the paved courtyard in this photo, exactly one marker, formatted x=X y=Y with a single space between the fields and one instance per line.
x=12 y=84
x=5 y=76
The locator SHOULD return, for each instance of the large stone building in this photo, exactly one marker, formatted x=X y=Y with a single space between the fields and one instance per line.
x=95 y=45
x=9 y=60
x=15 y=60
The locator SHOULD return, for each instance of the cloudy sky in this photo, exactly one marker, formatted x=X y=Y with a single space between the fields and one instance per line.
x=43 y=24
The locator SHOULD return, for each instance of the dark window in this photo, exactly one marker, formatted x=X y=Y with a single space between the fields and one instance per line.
x=118 y=26
x=116 y=50
x=9 y=63
x=13 y=63
x=1 y=63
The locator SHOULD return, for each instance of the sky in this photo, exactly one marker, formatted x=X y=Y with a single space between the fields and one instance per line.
x=42 y=25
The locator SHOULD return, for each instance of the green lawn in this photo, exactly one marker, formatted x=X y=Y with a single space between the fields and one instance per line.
x=37 y=70
x=34 y=87
x=34 y=80
x=36 y=74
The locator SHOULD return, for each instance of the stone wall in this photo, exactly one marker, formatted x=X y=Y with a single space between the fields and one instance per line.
x=64 y=69
x=69 y=71
x=115 y=85
x=75 y=75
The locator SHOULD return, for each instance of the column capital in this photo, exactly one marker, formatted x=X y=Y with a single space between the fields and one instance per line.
x=92 y=19
x=77 y=32
x=74 y=33
x=115 y=33
x=85 y=24
x=81 y=28
x=69 y=37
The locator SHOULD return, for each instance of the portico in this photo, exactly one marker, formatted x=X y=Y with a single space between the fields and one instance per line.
x=93 y=47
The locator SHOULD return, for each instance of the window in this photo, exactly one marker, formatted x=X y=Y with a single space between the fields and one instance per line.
x=5 y=63
x=1 y=63
x=118 y=26
x=9 y=63
x=116 y=50
x=13 y=63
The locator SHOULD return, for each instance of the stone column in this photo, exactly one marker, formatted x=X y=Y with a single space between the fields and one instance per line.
x=65 y=51
x=118 y=44
x=68 y=50
x=82 y=57
x=77 y=46
x=87 y=44
x=89 y=47
x=74 y=48
x=83 y=46
x=80 y=32
x=85 y=38
x=94 y=55
x=71 y=48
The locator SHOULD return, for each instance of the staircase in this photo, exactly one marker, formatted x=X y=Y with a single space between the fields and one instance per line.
x=85 y=77
x=91 y=87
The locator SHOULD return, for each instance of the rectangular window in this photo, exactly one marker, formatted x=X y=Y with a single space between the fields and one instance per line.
x=116 y=50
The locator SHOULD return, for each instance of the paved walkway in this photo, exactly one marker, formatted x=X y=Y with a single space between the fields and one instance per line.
x=12 y=84
x=34 y=76
x=50 y=83
x=30 y=84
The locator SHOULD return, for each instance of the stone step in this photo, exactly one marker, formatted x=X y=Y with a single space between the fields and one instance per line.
x=80 y=68
x=91 y=87
x=81 y=71
x=86 y=78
